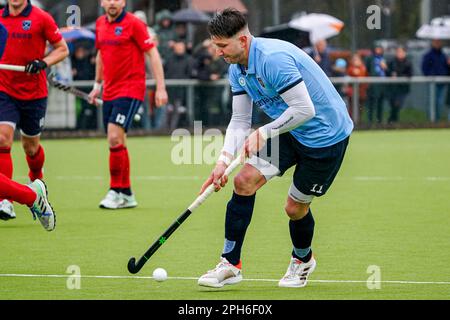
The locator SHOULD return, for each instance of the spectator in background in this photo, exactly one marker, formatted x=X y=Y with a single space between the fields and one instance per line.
x=321 y=55
x=357 y=69
x=201 y=48
x=165 y=30
x=209 y=66
x=400 y=66
x=376 y=93
x=143 y=17
x=181 y=34
x=178 y=66
x=83 y=68
x=436 y=63
x=339 y=70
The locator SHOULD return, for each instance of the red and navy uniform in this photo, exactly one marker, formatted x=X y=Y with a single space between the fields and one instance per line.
x=23 y=96
x=28 y=33
x=122 y=44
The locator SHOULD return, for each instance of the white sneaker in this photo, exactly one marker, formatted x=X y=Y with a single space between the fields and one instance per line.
x=41 y=207
x=297 y=273
x=112 y=200
x=224 y=273
x=128 y=201
x=7 y=210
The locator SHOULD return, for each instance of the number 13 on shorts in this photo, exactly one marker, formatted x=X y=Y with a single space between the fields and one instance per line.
x=120 y=119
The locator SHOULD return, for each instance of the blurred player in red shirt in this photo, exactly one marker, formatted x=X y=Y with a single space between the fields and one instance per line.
x=23 y=95
x=33 y=195
x=122 y=40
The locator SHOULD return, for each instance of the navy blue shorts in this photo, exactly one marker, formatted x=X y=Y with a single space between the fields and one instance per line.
x=120 y=111
x=315 y=168
x=28 y=115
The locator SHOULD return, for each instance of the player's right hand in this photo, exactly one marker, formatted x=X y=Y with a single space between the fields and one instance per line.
x=217 y=177
x=161 y=97
x=93 y=95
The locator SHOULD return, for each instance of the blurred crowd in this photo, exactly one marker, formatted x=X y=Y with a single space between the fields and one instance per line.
x=183 y=59
x=373 y=97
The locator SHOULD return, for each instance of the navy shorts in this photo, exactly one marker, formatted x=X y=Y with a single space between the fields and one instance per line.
x=315 y=168
x=28 y=115
x=120 y=111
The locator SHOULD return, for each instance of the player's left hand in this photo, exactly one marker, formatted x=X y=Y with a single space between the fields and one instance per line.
x=161 y=97
x=35 y=66
x=254 y=143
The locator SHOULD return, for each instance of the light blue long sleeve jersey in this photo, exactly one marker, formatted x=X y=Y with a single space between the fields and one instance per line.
x=274 y=67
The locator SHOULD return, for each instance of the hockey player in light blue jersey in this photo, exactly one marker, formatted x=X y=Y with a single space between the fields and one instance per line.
x=310 y=130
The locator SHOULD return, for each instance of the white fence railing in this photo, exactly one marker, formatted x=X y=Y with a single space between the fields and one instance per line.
x=191 y=84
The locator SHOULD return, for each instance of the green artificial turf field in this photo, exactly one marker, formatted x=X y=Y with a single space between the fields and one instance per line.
x=389 y=208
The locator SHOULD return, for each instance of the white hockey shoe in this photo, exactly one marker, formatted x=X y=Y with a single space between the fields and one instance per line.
x=112 y=200
x=297 y=273
x=224 y=273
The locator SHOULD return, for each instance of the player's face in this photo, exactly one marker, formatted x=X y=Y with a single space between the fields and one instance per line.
x=232 y=50
x=113 y=8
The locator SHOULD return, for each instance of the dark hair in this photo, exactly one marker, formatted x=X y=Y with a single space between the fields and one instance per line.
x=227 y=23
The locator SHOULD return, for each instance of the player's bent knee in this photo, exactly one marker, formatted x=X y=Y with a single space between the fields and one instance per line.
x=245 y=184
x=116 y=136
x=30 y=150
x=115 y=140
x=6 y=136
x=242 y=185
x=295 y=210
x=30 y=146
x=5 y=141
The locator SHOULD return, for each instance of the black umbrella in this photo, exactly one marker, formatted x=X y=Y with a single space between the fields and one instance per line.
x=190 y=16
x=286 y=33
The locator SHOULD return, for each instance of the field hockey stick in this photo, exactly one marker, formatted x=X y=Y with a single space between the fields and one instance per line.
x=76 y=92
x=134 y=267
x=12 y=67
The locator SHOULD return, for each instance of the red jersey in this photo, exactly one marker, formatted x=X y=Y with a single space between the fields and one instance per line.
x=122 y=44
x=28 y=34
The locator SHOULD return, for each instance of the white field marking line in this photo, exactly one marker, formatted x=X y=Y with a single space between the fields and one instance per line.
x=154 y=178
x=191 y=178
x=194 y=278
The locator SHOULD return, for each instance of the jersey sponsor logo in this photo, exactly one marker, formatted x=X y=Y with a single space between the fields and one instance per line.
x=242 y=81
x=26 y=25
x=264 y=101
x=118 y=31
x=110 y=43
x=18 y=35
